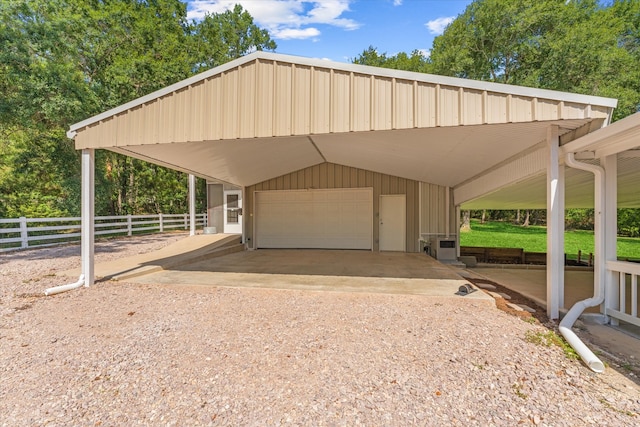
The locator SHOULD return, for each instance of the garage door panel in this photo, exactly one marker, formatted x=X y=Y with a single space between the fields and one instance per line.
x=322 y=219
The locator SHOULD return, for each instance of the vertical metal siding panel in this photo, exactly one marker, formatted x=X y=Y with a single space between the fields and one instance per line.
x=361 y=107
x=282 y=105
x=598 y=112
x=368 y=179
x=547 y=110
x=324 y=179
x=574 y=111
x=338 y=176
x=472 y=107
x=340 y=102
x=321 y=96
x=247 y=100
x=308 y=177
x=362 y=178
x=230 y=105
x=315 y=173
x=286 y=185
x=385 y=189
x=403 y=104
x=273 y=184
x=264 y=99
x=521 y=108
x=377 y=191
x=346 y=177
x=448 y=108
x=280 y=183
x=301 y=182
x=496 y=108
x=382 y=104
x=215 y=104
x=301 y=100
x=353 y=179
x=426 y=105
x=331 y=177
x=293 y=176
x=183 y=115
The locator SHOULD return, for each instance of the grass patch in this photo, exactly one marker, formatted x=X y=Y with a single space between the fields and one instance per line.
x=501 y=234
x=548 y=338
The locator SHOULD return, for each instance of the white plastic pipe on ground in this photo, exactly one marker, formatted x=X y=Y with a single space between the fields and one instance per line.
x=578 y=308
x=64 y=288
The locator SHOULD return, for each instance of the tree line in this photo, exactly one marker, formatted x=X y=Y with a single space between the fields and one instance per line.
x=62 y=61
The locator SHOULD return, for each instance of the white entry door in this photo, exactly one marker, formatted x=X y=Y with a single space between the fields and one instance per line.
x=233 y=212
x=393 y=222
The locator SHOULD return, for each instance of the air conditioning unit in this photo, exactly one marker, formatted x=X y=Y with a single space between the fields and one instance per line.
x=444 y=249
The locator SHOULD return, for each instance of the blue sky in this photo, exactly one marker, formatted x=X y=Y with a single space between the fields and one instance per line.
x=341 y=29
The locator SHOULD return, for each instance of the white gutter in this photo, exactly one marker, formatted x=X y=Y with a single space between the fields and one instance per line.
x=64 y=288
x=569 y=319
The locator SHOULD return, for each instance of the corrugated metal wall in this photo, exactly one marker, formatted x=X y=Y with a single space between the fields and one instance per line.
x=329 y=175
x=434 y=210
x=265 y=98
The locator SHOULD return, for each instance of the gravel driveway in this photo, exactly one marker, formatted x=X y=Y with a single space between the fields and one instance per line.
x=128 y=354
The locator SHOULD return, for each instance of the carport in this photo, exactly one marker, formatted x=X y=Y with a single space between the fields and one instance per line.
x=326 y=154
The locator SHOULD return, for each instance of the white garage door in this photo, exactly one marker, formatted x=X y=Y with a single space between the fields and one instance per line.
x=319 y=219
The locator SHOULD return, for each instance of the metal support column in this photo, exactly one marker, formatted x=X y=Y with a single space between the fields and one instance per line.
x=610 y=229
x=87 y=226
x=192 y=205
x=555 y=225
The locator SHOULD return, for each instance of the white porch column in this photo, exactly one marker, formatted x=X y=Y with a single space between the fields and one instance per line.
x=610 y=229
x=88 y=215
x=192 y=205
x=555 y=225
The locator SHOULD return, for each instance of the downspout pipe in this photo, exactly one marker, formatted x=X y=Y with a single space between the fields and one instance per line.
x=64 y=288
x=592 y=361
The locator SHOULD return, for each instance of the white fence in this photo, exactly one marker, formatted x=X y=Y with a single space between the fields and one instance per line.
x=22 y=233
x=622 y=295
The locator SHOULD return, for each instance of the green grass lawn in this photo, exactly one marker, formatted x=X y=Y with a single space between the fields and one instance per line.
x=500 y=234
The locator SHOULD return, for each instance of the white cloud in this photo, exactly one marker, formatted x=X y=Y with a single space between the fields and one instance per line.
x=397 y=2
x=283 y=18
x=296 y=33
x=438 y=25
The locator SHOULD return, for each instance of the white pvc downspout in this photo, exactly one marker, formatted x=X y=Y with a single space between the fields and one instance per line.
x=64 y=288
x=569 y=319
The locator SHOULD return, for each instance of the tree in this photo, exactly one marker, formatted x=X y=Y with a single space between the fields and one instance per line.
x=220 y=38
x=579 y=46
x=401 y=61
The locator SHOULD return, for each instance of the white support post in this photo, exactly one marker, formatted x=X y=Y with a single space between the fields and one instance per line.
x=192 y=205
x=161 y=222
x=555 y=225
x=129 y=225
x=610 y=229
x=458 y=231
x=88 y=215
x=24 y=233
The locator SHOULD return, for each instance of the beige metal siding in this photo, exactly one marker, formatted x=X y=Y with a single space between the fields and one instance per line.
x=329 y=175
x=434 y=207
x=265 y=98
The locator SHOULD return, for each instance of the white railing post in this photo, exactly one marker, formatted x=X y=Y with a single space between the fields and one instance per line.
x=129 y=225
x=186 y=221
x=24 y=233
x=161 y=223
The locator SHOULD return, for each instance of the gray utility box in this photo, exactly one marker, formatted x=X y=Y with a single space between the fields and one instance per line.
x=444 y=248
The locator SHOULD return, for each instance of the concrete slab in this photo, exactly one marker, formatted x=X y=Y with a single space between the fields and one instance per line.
x=321 y=270
x=189 y=249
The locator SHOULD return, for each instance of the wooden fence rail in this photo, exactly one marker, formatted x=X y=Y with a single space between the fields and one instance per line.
x=23 y=233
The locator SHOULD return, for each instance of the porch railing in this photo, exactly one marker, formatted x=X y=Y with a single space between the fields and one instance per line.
x=622 y=292
x=23 y=233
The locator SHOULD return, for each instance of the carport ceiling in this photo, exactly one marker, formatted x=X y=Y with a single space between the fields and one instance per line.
x=445 y=155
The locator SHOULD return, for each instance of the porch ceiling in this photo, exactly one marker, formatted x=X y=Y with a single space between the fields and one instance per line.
x=445 y=155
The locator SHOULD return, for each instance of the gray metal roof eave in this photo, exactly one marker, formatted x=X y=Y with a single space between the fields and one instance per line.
x=356 y=68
